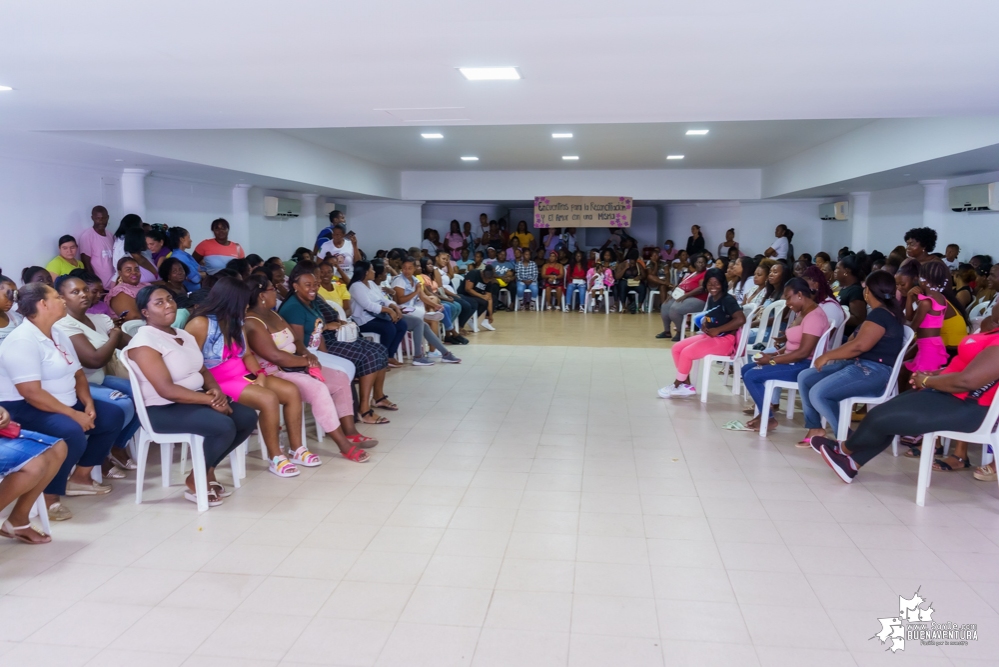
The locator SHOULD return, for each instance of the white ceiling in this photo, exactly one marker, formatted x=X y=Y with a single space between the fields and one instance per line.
x=121 y=64
x=728 y=145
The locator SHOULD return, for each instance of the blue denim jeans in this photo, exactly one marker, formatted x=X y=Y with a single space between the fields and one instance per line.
x=821 y=391
x=101 y=393
x=756 y=377
x=579 y=290
x=532 y=288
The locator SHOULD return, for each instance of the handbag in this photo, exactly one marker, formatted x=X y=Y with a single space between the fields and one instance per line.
x=348 y=332
x=677 y=293
x=11 y=430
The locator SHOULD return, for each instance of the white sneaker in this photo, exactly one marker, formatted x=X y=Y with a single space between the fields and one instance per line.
x=683 y=391
x=435 y=316
x=487 y=326
x=666 y=391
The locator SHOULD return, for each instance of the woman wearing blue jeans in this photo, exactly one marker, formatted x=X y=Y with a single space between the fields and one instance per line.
x=802 y=337
x=860 y=367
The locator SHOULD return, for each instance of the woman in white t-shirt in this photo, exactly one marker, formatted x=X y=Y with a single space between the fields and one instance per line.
x=180 y=394
x=342 y=246
x=44 y=388
x=95 y=338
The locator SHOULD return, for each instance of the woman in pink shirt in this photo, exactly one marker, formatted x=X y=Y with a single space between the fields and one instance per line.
x=802 y=337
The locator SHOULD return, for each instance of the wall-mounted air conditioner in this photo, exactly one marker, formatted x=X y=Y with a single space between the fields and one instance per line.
x=834 y=211
x=279 y=207
x=982 y=197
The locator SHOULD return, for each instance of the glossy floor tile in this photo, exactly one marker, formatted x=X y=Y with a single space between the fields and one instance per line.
x=535 y=505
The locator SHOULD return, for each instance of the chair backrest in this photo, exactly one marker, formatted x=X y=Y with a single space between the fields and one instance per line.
x=132 y=326
x=774 y=309
x=979 y=309
x=133 y=378
x=740 y=347
x=836 y=339
x=892 y=388
x=988 y=425
x=338 y=308
x=822 y=346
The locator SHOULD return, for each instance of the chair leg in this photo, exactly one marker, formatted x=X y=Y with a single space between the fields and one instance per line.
x=768 y=394
x=200 y=473
x=705 y=372
x=845 y=408
x=236 y=466
x=43 y=513
x=140 y=468
x=736 y=376
x=166 y=462
x=790 y=402
x=925 y=468
x=183 y=459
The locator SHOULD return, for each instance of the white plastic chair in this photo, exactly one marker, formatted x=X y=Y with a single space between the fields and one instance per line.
x=768 y=332
x=985 y=435
x=590 y=301
x=688 y=321
x=582 y=299
x=846 y=405
x=38 y=509
x=650 y=300
x=791 y=386
x=620 y=305
x=509 y=298
x=736 y=360
x=147 y=435
x=836 y=339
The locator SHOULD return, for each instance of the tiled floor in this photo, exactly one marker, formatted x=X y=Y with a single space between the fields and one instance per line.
x=532 y=506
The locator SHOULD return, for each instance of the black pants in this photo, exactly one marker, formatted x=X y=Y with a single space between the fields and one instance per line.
x=467 y=309
x=478 y=304
x=222 y=433
x=912 y=413
x=621 y=289
x=390 y=333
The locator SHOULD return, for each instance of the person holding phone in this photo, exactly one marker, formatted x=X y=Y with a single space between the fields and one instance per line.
x=217 y=328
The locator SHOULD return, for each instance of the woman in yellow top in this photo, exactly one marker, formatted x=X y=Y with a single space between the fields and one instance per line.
x=955 y=326
x=331 y=290
x=66 y=260
x=525 y=237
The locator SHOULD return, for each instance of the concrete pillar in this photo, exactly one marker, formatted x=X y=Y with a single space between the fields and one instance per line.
x=308 y=219
x=133 y=191
x=860 y=221
x=239 y=222
x=935 y=207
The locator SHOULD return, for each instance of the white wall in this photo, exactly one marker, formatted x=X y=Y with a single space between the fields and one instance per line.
x=382 y=225
x=754 y=223
x=650 y=184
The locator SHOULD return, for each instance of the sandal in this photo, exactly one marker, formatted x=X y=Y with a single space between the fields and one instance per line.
x=115 y=473
x=11 y=531
x=303 y=457
x=356 y=455
x=362 y=440
x=914 y=452
x=282 y=467
x=391 y=407
x=942 y=465
x=220 y=490
x=213 y=497
x=378 y=418
x=59 y=512
x=986 y=473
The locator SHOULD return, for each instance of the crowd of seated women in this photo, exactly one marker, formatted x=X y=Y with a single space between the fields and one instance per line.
x=947 y=377
x=219 y=345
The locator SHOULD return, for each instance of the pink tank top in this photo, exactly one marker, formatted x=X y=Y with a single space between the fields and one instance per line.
x=932 y=320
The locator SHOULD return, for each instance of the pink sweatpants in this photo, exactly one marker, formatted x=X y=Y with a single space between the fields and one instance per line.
x=330 y=401
x=689 y=350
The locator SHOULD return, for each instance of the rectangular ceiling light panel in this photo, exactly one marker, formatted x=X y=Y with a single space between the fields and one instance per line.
x=697 y=132
x=490 y=73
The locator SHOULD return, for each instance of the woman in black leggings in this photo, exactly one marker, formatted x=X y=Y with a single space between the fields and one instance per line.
x=956 y=398
x=181 y=396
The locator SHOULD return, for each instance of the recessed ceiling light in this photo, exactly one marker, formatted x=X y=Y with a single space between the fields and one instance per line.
x=697 y=132
x=570 y=157
x=489 y=73
x=118 y=159
x=674 y=157
x=561 y=135
x=432 y=135
x=469 y=158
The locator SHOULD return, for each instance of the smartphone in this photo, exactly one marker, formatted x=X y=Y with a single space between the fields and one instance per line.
x=250 y=377
x=123 y=314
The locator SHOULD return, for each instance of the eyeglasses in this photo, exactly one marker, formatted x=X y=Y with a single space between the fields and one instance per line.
x=63 y=353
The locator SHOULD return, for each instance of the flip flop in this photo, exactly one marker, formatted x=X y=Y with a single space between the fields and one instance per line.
x=736 y=426
x=391 y=407
x=939 y=465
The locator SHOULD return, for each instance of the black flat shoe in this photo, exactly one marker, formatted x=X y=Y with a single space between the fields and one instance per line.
x=662 y=334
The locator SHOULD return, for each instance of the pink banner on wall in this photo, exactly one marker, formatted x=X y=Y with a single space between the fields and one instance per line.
x=582 y=212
